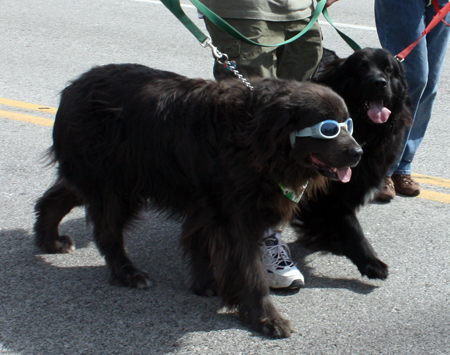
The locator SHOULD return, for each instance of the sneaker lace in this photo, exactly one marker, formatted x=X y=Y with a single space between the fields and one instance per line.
x=279 y=255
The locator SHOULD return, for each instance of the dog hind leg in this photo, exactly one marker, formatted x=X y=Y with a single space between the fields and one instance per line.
x=50 y=209
x=202 y=280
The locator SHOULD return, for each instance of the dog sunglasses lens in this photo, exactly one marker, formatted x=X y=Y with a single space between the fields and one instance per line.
x=329 y=129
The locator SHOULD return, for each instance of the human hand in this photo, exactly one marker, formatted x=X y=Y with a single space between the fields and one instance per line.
x=330 y=2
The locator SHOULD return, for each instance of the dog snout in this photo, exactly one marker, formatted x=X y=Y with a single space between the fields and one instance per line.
x=380 y=82
x=355 y=154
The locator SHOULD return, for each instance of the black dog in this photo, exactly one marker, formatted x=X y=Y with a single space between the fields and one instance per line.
x=213 y=154
x=372 y=83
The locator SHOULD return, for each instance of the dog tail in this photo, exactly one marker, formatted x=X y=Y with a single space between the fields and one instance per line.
x=48 y=157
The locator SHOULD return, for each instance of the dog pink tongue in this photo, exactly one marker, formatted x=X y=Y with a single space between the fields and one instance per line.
x=377 y=112
x=344 y=174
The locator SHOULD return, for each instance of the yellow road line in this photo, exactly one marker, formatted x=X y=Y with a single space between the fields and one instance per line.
x=431 y=180
x=27 y=118
x=434 y=196
x=27 y=106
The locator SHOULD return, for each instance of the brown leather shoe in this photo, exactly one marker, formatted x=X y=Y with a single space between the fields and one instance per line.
x=387 y=192
x=406 y=185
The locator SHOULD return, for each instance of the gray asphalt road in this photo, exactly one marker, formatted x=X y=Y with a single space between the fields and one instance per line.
x=62 y=304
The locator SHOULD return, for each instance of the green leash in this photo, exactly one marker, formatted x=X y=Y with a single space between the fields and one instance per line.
x=175 y=7
x=223 y=25
x=353 y=45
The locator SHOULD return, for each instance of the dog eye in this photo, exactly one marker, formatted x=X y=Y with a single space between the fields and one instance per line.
x=388 y=70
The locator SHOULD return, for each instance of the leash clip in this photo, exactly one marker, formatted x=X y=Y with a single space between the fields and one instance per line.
x=225 y=62
x=398 y=58
x=216 y=53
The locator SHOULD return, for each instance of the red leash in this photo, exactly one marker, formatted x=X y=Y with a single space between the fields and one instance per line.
x=440 y=14
x=437 y=9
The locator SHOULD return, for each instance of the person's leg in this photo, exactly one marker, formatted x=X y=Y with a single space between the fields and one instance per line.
x=395 y=34
x=251 y=60
x=423 y=68
x=417 y=74
x=400 y=23
x=299 y=59
x=281 y=270
x=436 y=43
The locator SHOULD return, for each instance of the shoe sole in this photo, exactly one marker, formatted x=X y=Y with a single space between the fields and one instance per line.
x=293 y=286
x=414 y=194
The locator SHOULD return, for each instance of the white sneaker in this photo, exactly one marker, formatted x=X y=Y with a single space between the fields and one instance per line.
x=281 y=271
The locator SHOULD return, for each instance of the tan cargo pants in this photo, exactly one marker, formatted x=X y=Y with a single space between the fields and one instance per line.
x=296 y=60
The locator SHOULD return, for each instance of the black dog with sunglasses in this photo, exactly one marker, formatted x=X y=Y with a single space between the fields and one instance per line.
x=373 y=85
x=212 y=154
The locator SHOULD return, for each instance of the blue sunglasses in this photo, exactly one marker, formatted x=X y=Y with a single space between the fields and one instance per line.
x=327 y=129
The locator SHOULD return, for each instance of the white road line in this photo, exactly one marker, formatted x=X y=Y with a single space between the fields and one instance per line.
x=322 y=23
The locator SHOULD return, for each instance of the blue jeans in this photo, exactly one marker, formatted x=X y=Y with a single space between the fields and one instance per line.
x=400 y=23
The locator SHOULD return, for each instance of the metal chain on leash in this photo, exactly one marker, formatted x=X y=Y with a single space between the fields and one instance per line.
x=230 y=65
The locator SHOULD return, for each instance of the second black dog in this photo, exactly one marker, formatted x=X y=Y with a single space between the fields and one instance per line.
x=373 y=85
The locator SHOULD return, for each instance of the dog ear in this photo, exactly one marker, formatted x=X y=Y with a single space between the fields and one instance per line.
x=269 y=135
x=333 y=73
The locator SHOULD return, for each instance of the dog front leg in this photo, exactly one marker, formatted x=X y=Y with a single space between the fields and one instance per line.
x=359 y=250
x=326 y=224
x=243 y=284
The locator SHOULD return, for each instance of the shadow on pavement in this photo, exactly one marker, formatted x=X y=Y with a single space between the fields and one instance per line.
x=62 y=304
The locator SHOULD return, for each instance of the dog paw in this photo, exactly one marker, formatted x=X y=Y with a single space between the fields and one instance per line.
x=265 y=319
x=208 y=288
x=131 y=277
x=140 y=280
x=62 y=245
x=375 y=269
x=276 y=328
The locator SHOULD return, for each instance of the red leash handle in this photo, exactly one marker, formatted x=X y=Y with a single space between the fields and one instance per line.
x=440 y=14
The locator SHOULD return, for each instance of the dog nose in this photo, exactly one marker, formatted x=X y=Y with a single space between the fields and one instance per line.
x=356 y=153
x=380 y=82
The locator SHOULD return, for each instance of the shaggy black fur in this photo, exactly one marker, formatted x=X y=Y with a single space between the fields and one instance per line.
x=328 y=221
x=212 y=154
